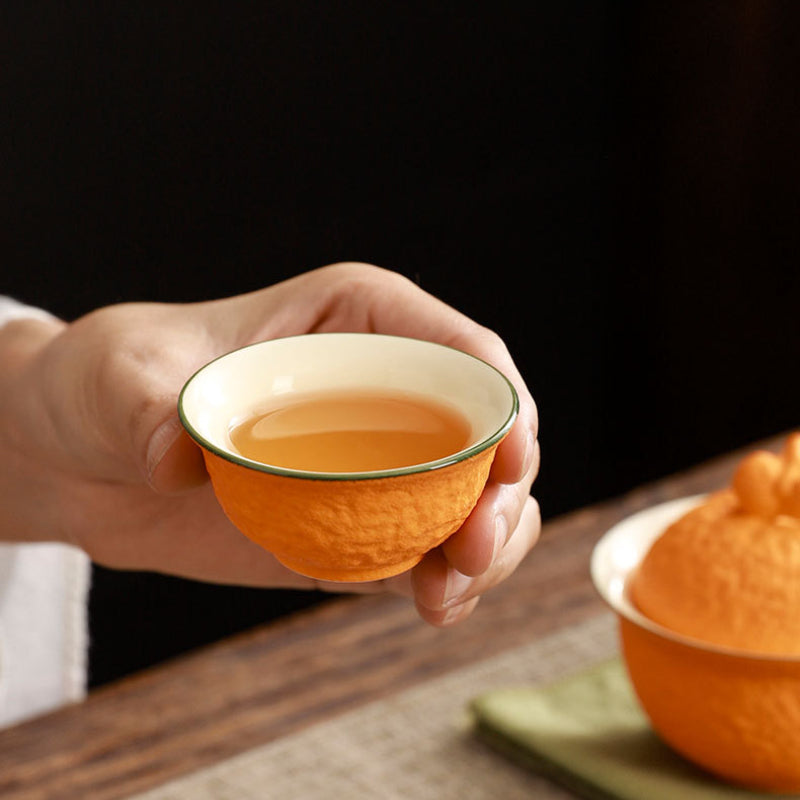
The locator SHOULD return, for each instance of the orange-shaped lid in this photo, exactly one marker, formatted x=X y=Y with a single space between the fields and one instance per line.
x=728 y=572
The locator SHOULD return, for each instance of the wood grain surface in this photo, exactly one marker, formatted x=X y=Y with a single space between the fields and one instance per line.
x=277 y=679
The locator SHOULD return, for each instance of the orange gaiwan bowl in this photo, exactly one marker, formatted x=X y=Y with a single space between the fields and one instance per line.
x=347 y=526
x=731 y=711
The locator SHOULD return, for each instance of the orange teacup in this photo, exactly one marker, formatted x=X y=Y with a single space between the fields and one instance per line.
x=731 y=710
x=423 y=420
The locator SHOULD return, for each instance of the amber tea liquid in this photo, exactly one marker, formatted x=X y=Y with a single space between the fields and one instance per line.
x=352 y=431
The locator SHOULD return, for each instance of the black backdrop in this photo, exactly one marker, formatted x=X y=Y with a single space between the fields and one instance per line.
x=612 y=187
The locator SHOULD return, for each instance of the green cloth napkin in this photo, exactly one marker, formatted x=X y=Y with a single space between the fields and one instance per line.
x=588 y=733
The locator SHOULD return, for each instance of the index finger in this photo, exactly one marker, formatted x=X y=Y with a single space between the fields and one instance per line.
x=396 y=305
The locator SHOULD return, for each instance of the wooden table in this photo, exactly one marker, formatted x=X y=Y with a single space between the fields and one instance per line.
x=275 y=680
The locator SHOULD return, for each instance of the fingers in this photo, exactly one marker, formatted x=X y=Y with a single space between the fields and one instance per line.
x=444 y=596
x=472 y=549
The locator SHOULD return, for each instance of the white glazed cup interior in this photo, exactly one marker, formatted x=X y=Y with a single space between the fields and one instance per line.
x=239 y=384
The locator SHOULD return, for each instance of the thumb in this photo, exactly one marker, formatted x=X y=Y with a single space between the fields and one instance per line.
x=174 y=462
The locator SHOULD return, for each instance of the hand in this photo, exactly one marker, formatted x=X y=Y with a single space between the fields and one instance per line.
x=94 y=453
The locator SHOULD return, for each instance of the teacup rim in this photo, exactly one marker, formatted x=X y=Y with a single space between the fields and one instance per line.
x=462 y=455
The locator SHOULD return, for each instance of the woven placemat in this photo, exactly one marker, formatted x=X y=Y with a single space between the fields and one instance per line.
x=414 y=745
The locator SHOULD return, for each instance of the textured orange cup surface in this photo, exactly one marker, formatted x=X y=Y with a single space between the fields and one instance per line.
x=347 y=526
x=735 y=714
x=731 y=711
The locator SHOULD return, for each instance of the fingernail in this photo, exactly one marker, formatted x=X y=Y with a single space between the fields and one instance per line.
x=527 y=459
x=452 y=615
x=457 y=585
x=500 y=535
x=162 y=439
x=459 y=612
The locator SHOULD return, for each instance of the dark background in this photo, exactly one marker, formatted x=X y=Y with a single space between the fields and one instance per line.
x=613 y=187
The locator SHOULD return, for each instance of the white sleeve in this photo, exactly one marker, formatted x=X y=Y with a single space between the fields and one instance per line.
x=43 y=612
x=13 y=309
